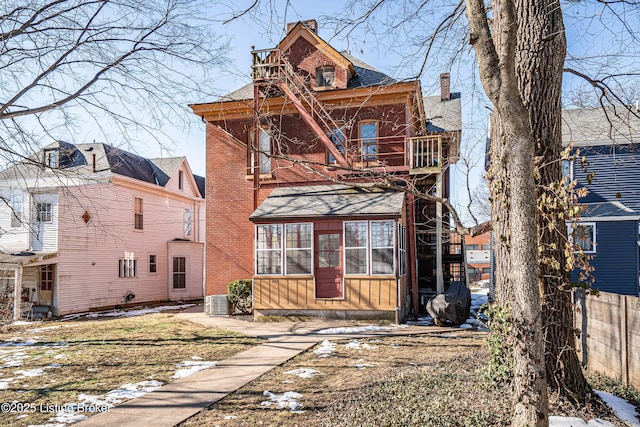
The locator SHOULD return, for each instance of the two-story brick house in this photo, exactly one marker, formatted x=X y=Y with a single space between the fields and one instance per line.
x=92 y=226
x=293 y=160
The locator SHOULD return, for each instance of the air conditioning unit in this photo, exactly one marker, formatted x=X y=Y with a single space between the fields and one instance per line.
x=218 y=305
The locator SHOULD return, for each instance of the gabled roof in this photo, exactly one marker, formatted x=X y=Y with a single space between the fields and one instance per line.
x=600 y=126
x=78 y=160
x=329 y=201
x=443 y=116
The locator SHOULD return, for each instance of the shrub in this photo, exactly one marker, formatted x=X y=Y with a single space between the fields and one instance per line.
x=239 y=294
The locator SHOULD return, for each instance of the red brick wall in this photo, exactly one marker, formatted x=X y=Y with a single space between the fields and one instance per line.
x=229 y=203
x=305 y=56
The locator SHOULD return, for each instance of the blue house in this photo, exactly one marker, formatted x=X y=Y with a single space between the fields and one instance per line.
x=609 y=229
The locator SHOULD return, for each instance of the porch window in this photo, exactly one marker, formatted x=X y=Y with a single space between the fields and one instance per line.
x=298 y=248
x=402 y=250
x=179 y=272
x=43 y=212
x=137 y=215
x=382 y=245
x=369 y=140
x=583 y=235
x=269 y=249
x=355 y=247
x=16 y=210
x=264 y=148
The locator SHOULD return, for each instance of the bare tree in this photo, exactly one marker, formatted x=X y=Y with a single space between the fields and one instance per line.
x=124 y=66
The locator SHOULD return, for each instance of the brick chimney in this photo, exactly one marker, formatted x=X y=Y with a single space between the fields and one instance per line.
x=445 y=87
x=309 y=23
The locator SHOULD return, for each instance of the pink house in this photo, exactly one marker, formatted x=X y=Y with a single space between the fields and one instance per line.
x=92 y=226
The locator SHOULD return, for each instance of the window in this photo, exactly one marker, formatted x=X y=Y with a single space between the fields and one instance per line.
x=269 y=249
x=369 y=247
x=584 y=236
x=128 y=266
x=51 y=158
x=153 y=264
x=567 y=168
x=43 y=212
x=402 y=250
x=180 y=180
x=382 y=245
x=325 y=76
x=137 y=216
x=179 y=272
x=46 y=277
x=369 y=140
x=264 y=160
x=472 y=247
x=16 y=210
x=355 y=247
x=486 y=270
x=187 y=222
x=337 y=137
x=298 y=248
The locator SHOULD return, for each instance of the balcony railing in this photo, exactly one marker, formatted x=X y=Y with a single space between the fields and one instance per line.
x=266 y=64
x=396 y=153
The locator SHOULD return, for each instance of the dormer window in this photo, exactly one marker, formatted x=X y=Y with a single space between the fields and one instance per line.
x=51 y=158
x=325 y=76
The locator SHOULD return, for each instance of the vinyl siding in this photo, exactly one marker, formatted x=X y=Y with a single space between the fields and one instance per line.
x=14 y=239
x=89 y=253
x=616 y=168
x=616 y=259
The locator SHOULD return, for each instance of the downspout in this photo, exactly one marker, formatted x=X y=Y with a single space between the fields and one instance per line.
x=256 y=143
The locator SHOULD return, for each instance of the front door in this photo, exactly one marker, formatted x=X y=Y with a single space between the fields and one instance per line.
x=47 y=279
x=328 y=265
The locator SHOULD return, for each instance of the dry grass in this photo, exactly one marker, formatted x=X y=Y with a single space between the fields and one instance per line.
x=94 y=357
x=435 y=380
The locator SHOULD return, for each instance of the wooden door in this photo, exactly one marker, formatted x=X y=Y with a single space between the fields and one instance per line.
x=47 y=280
x=328 y=264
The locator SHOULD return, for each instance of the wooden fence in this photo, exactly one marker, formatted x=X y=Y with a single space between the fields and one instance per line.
x=609 y=340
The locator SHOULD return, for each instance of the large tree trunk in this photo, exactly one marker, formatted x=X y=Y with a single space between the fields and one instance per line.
x=495 y=51
x=540 y=54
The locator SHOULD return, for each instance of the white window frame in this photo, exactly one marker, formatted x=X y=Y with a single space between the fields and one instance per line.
x=16 y=210
x=188 y=223
x=154 y=264
x=128 y=266
x=175 y=273
x=257 y=250
x=369 y=248
x=137 y=214
x=310 y=249
x=44 y=212
x=265 y=152
x=401 y=240
x=594 y=243
x=52 y=158
x=392 y=247
x=365 y=247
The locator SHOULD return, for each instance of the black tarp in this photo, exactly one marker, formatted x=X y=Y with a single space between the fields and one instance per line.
x=453 y=305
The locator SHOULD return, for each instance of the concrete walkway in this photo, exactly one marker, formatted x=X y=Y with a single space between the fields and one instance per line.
x=175 y=402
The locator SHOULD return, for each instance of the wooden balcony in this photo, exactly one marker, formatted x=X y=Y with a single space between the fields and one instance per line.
x=415 y=155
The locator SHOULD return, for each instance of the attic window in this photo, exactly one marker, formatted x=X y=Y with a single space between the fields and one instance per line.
x=325 y=76
x=51 y=158
x=180 y=180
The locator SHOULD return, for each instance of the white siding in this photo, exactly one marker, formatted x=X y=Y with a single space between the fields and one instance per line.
x=13 y=239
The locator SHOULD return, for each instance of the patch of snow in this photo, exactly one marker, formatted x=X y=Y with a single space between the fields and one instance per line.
x=466 y=326
x=287 y=382
x=363 y=365
x=287 y=400
x=18 y=342
x=14 y=360
x=46 y=328
x=68 y=416
x=623 y=409
x=555 y=421
x=125 y=392
x=422 y=321
x=304 y=372
x=353 y=330
x=230 y=417
x=196 y=358
x=325 y=349
x=357 y=345
x=129 y=313
x=189 y=367
x=31 y=372
x=4 y=383
x=21 y=323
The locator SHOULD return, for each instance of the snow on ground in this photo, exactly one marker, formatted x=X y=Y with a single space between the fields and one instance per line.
x=119 y=395
x=357 y=345
x=18 y=342
x=577 y=422
x=189 y=367
x=287 y=400
x=304 y=372
x=126 y=313
x=361 y=365
x=353 y=330
x=325 y=349
x=623 y=409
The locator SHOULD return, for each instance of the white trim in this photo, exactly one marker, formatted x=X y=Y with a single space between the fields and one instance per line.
x=284 y=249
x=611 y=218
x=595 y=232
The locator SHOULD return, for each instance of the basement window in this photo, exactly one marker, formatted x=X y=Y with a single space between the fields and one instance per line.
x=325 y=76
